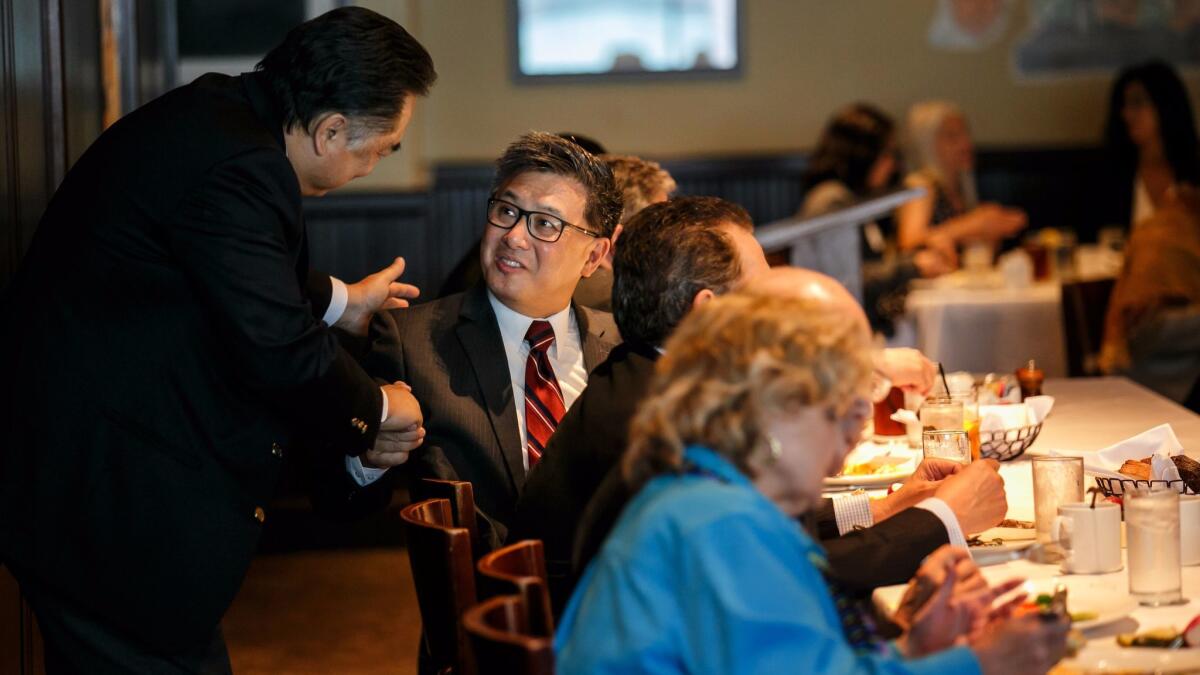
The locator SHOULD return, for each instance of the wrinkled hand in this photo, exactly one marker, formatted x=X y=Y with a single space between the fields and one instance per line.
x=393 y=447
x=947 y=602
x=907 y=369
x=922 y=484
x=1022 y=644
x=976 y=495
x=375 y=292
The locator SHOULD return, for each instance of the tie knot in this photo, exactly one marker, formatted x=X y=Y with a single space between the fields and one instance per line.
x=539 y=336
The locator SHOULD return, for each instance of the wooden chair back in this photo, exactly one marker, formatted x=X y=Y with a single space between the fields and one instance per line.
x=440 y=555
x=499 y=632
x=461 y=496
x=520 y=569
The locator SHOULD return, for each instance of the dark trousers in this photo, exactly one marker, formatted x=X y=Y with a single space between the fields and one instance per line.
x=77 y=643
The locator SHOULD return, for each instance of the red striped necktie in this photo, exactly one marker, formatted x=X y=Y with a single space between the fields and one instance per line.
x=543 y=398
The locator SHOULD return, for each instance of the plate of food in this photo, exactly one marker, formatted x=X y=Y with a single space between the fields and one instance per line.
x=876 y=465
x=999 y=543
x=1091 y=603
x=1164 y=649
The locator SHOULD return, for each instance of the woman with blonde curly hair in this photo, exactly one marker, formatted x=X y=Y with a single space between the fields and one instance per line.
x=754 y=401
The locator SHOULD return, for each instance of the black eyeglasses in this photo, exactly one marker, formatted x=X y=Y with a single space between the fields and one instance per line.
x=541 y=226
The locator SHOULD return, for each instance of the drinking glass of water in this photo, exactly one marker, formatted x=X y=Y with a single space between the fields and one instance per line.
x=1152 y=542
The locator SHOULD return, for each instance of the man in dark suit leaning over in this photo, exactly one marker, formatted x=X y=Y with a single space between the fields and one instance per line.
x=165 y=344
x=674 y=256
x=496 y=367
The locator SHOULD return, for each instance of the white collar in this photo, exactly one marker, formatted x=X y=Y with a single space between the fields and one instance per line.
x=513 y=325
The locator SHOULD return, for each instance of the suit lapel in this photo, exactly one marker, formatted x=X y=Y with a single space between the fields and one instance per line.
x=596 y=344
x=480 y=338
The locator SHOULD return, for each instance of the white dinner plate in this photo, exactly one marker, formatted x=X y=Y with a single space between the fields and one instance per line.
x=906 y=462
x=1087 y=594
x=1111 y=658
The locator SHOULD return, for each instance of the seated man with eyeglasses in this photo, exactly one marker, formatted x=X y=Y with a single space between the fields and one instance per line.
x=496 y=367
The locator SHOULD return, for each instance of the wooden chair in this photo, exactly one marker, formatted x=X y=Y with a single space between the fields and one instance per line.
x=461 y=496
x=499 y=632
x=520 y=568
x=440 y=555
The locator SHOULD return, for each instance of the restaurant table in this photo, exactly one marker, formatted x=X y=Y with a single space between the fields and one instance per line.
x=1090 y=414
x=983 y=330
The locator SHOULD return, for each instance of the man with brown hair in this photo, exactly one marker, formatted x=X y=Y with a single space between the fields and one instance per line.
x=641 y=183
x=496 y=367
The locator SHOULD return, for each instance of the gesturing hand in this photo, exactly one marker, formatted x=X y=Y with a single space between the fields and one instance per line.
x=375 y=292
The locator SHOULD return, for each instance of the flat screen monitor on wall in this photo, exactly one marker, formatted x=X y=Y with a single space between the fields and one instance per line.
x=555 y=40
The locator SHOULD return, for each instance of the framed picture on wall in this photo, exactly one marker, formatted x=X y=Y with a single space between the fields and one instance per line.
x=230 y=36
x=583 y=40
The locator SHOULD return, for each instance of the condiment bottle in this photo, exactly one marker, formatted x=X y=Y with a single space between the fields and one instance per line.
x=1030 y=378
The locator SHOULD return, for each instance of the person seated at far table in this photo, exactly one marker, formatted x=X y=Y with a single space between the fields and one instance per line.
x=641 y=183
x=944 y=164
x=495 y=368
x=755 y=400
x=854 y=160
x=676 y=256
x=1152 y=329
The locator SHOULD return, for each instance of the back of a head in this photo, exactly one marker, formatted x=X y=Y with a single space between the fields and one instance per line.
x=852 y=141
x=736 y=359
x=667 y=253
x=552 y=153
x=1176 y=122
x=351 y=61
x=640 y=182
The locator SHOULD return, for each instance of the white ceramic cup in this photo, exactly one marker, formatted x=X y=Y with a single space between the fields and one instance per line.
x=1090 y=538
x=1189 y=529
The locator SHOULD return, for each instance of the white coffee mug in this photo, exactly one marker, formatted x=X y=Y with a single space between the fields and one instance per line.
x=1090 y=537
x=1189 y=529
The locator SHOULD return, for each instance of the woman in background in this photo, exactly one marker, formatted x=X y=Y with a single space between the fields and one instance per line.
x=855 y=158
x=755 y=400
x=944 y=161
x=1151 y=141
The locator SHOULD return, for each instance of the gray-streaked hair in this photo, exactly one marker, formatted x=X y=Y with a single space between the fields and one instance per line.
x=925 y=120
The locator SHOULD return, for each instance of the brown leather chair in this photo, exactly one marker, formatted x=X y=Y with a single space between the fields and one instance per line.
x=440 y=555
x=461 y=496
x=499 y=632
x=520 y=568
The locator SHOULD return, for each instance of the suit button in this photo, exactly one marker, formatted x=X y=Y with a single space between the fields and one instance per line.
x=259 y=514
x=276 y=450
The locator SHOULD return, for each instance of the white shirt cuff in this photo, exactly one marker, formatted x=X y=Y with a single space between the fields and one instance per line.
x=363 y=475
x=852 y=512
x=383 y=408
x=338 y=298
x=945 y=514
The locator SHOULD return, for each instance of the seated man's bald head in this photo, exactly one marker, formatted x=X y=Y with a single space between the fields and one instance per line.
x=797 y=282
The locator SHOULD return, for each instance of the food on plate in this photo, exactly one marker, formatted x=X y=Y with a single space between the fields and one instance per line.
x=1046 y=604
x=1165 y=637
x=1139 y=469
x=975 y=542
x=1191 y=634
x=877 y=465
x=1189 y=471
x=1017 y=524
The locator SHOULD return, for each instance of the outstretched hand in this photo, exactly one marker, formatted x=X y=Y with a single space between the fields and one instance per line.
x=375 y=292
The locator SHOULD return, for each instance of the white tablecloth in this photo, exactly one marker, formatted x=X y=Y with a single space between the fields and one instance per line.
x=1090 y=414
x=990 y=330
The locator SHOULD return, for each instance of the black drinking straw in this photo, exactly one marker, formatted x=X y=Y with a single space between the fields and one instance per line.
x=942 y=370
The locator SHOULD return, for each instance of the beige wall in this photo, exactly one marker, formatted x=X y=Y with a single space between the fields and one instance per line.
x=803 y=59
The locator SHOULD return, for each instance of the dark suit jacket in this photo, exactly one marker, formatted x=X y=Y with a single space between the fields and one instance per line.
x=450 y=352
x=161 y=346
x=575 y=494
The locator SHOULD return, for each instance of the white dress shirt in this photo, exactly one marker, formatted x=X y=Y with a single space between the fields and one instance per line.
x=854 y=511
x=566 y=357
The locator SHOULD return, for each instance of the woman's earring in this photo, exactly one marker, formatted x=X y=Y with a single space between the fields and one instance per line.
x=775 y=448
